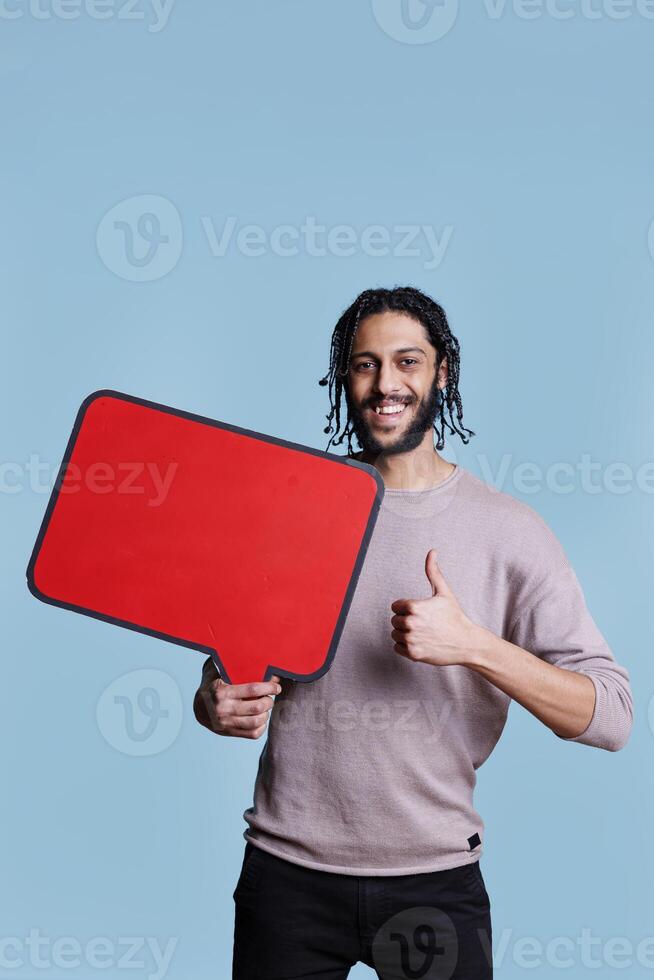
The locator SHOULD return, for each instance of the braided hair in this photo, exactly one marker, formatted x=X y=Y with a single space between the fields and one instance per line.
x=401 y=299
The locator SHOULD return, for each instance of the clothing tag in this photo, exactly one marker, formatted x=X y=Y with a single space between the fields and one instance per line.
x=474 y=841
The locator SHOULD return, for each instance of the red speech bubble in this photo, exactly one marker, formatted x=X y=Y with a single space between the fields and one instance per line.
x=234 y=543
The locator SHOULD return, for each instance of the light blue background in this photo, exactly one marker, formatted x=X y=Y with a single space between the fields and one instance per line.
x=532 y=140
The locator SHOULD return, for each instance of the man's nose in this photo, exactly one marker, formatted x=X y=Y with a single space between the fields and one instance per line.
x=387 y=382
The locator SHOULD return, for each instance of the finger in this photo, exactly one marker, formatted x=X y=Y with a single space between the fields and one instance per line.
x=257 y=733
x=402 y=606
x=435 y=575
x=400 y=623
x=254 y=689
x=246 y=722
x=251 y=706
x=399 y=637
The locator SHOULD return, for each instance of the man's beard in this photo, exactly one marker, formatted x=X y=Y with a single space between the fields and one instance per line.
x=410 y=438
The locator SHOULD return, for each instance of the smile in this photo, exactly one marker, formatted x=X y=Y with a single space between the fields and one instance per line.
x=390 y=409
x=388 y=413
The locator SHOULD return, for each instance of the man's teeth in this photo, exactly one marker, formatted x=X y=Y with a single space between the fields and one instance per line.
x=390 y=409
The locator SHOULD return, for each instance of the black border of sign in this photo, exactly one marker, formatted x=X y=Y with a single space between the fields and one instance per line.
x=270 y=670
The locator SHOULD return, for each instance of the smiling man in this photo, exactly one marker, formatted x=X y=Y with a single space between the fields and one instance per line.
x=363 y=843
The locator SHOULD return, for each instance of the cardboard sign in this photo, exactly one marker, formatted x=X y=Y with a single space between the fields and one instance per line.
x=234 y=543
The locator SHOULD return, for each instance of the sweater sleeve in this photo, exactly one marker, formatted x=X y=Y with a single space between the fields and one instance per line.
x=550 y=619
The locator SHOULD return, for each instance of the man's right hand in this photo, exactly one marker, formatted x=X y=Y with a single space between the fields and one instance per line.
x=240 y=710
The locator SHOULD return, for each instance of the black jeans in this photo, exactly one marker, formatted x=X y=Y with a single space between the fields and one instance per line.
x=293 y=922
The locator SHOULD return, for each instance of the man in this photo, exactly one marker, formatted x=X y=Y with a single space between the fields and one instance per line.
x=363 y=843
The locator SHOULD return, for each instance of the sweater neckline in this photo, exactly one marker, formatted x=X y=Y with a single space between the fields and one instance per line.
x=443 y=485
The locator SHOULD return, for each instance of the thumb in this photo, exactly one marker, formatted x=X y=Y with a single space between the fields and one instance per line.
x=435 y=576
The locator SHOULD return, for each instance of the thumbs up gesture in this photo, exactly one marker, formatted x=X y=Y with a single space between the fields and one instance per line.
x=434 y=630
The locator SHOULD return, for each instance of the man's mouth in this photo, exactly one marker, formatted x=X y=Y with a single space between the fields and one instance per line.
x=388 y=413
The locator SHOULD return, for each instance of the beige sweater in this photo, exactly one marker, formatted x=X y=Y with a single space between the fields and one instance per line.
x=370 y=769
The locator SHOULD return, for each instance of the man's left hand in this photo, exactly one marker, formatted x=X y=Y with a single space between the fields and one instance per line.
x=435 y=630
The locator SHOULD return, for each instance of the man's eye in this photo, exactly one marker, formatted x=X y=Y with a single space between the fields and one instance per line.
x=362 y=364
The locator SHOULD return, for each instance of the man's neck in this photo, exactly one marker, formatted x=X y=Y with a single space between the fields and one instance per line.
x=418 y=470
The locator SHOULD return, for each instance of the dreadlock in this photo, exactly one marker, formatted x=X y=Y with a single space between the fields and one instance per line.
x=402 y=299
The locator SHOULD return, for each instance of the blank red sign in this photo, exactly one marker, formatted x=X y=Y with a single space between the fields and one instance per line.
x=220 y=539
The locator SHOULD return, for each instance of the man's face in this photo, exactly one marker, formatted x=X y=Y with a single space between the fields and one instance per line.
x=392 y=364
